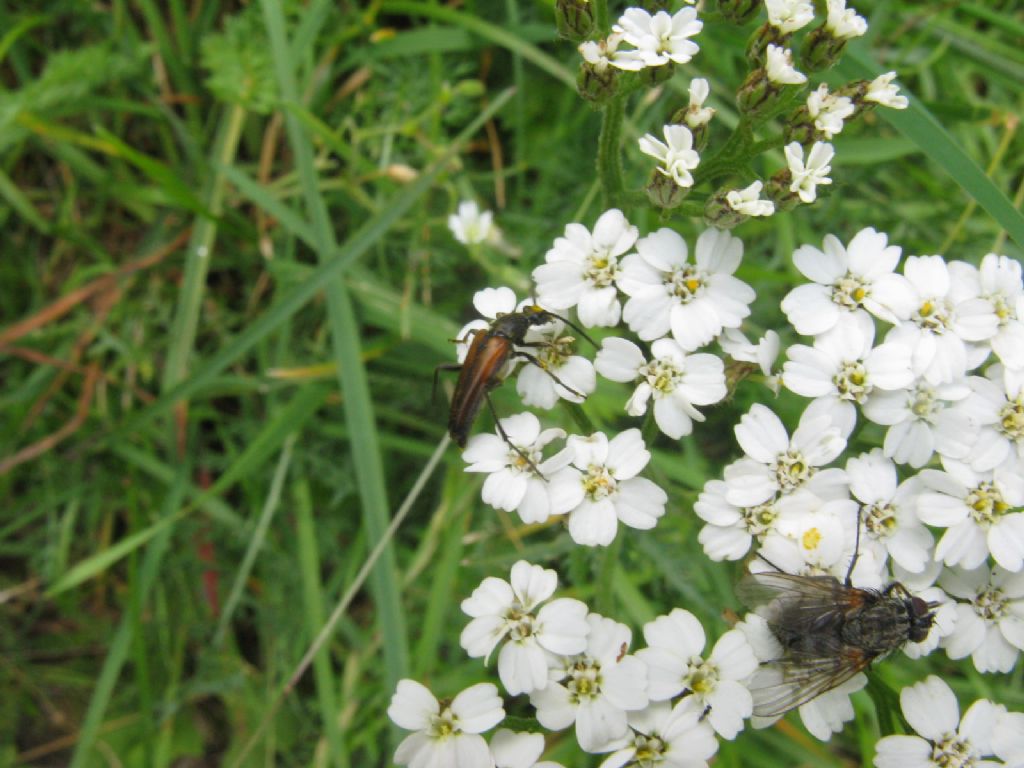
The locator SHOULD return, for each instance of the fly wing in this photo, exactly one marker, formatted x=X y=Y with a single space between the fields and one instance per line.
x=802 y=603
x=781 y=685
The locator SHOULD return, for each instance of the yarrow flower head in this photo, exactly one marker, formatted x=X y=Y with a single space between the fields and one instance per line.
x=843 y=22
x=601 y=487
x=697 y=115
x=779 y=67
x=470 y=225
x=807 y=175
x=664 y=735
x=601 y=54
x=676 y=155
x=943 y=740
x=694 y=301
x=828 y=110
x=519 y=750
x=512 y=484
x=789 y=15
x=560 y=374
x=844 y=281
x=989 y=616
x=1001 y=286
x=748 y=202
x=658 y=39
x=582 y=267
x=882 y=91
x=673 y=657
x=507 y=611
x=445 y=733
x=594 y=689
x=676 y=381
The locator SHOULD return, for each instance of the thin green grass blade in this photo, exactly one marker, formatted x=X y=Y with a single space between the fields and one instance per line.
x=130 y=622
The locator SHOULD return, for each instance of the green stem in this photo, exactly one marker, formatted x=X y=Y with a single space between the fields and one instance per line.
x=601 y=16
x=609 y=162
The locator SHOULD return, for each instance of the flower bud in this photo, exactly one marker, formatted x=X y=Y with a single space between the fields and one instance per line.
x=663 y=192
x=574 y=19
x=821 y=50
x=778 y=191
x=652 y=76
x=765 y=35
x=739 y=11
x=595 y=84
x=719 y=214
x=800 y=127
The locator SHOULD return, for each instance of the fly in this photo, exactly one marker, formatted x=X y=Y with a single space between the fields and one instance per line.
x=829 y=631
x=489 y=350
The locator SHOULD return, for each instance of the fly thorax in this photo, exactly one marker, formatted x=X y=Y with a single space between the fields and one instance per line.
x=685 y=283
x=792 y=470
x=986 y=504
x=758 y=520
x=933 y=315
x=991 y=604
x=1011 y=420
x=951 y=752
x=601 y=269
x=851 y=381
x=445 y=724
x=650 y=750
x=662 y=375
x=598 y=482
x=879 y=519
x=584 y=681
x=702 y=676
x=849 y=291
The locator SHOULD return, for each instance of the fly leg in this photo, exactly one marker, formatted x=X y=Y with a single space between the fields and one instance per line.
x=532 y=359
x=507 y=439
x=856 y=551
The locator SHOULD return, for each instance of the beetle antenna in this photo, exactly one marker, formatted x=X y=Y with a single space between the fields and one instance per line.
x=575 y=327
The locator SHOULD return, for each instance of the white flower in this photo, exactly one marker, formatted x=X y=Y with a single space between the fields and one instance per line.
x=944 y=739
x=941 y=311
x=581 y=269
x=942 y=607
x=663 y=735
x=501 y=611
x=882 y=91
x=601 y=53
x=998 y=415
x=445 y=734
x=763 y=353
x=675 y=380
x=518 y=750
x=888 y=512
x=1008 y=737
x=696 y=113
x=806 y=177
x=845 y=281
x=921 y=421
x=977 y=509
x=677 y=157
x=789 y=15
x=695 y=301
x=1001 y=286
x=774 y=463
x=658 y=39
x=843 y=22
x=512 y=484
x=561 y=374
x=990 y=624
x=843 y=369
x=471 y=225
x=747 y=201
x=596 y=688
x=675 y=665
x=828 y=110
x=731 y=529
x=780 y=68
x=601 y=488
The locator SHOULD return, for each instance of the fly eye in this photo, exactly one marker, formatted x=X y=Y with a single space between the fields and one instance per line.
x=919 y=606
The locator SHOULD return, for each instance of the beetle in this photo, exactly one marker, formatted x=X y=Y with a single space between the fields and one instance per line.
x=489 y=350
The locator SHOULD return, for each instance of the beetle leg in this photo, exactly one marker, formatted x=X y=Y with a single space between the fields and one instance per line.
x=507 y=439
x=437 y=370
x=530 y=358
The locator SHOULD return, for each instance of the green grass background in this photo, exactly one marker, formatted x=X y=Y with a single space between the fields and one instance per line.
x=225 y=279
